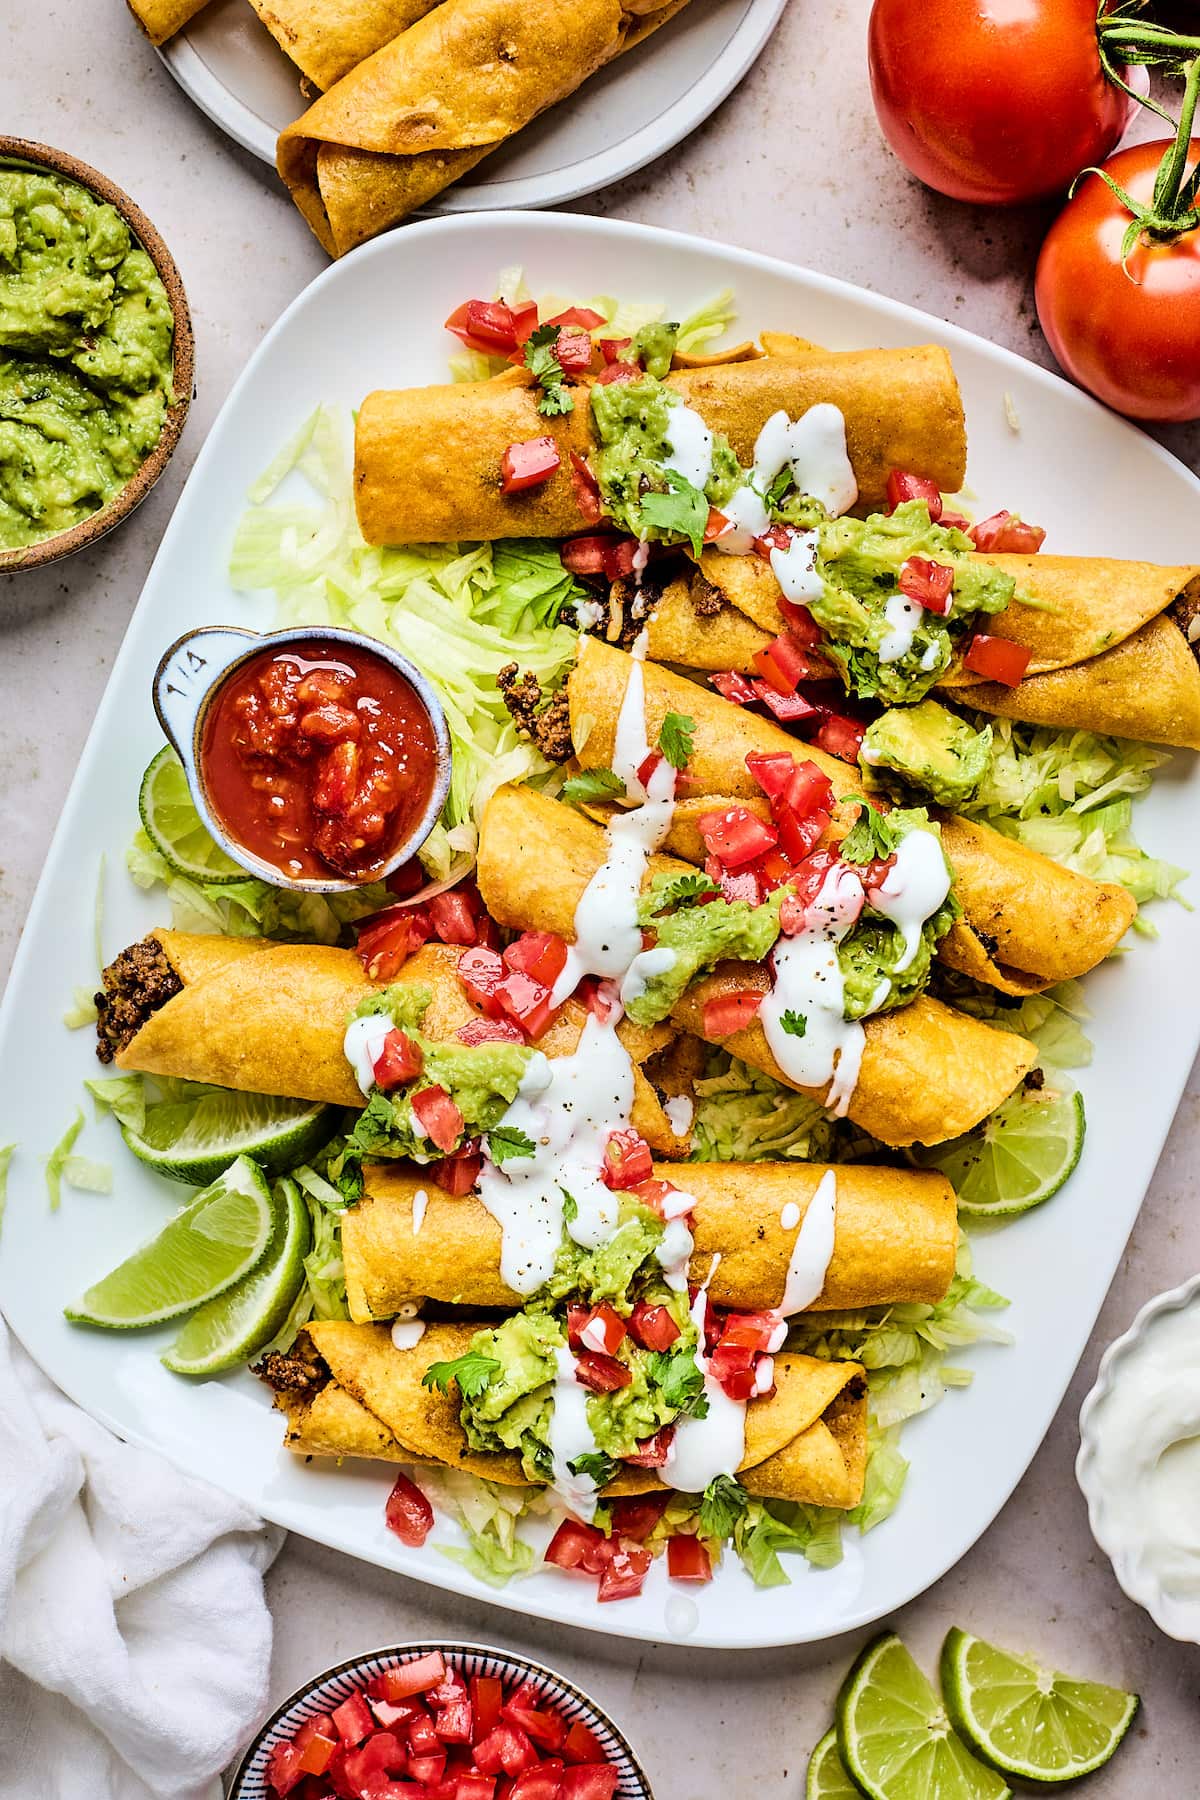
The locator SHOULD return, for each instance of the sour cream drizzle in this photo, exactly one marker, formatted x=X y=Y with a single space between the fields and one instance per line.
x=812 y=1251
x=419 y=1203
x=690 y=443
x=814 y=446
x=903 y=617
x=913 y=889
x=571 y=1437
x=704 y=1448
x=407 y=1333
x=809 y=981
x=362 y=1044
x=795 y=569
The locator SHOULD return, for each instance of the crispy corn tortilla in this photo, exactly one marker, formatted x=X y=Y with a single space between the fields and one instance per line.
x=928 y=1072
x=327 y=38
x=161 y=19
x=268 y=1018
x=427 y=460
x=807 y=1441
x=896 y=1238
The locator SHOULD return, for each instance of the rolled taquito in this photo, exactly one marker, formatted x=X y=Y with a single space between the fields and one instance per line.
x=347 y=1391
x=268 y=1018
x=928 y=1072
x=427 y=460
x=161 y=19
x=896 y=1238
x=1033 y=921
x=432 y=102
x=327 y=38
x=1111 y=644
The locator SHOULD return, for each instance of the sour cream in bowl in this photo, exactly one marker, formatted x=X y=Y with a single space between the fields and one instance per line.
x=1139 y=1459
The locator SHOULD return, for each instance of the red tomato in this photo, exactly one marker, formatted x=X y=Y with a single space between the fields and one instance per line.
x=623 y=1575
x=408 y=1513
x=486 y=325
x=688 y=1560
x=399 y=1061
x=454 y=920
x=527 y=1001
x=734 y=687
x=585 y=318
x=386 y=942
x=598 y=1328
x=1005 y=534
x=438 y=1116
x=652 y=1326
x=602 y=1374
x=576 y=1546
x=618 y=371
x=736 y=835
x=903 y=485
x=652 y=1453
x=804 y=627
x=1131 y=338
x=786 y=707
x=399 y=1681
x=930 y=584
x=730 y=1013
x=996 y=659
x=352 y=1719
x=582 y=1745
x=626 y=1160
x=636 y=1515
x=487 y=1698
x=490 y=1031
x=783 y=663
x=840 y=737
x=586 y=488
x=541 y=954
x=456 y=1175
x=997 y=101
x=528 y=464
x=480 y=972
x=573 y=350
x=613 y=349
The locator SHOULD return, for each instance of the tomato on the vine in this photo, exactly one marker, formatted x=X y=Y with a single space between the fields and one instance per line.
x=1128 y=331
x=997 y=101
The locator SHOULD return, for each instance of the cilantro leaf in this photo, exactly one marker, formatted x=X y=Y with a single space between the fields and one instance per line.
x=542 y=362
x=724 y=1502
x=680 y=888
x=779 y=487
x=473 y=1372
x=601 y=1468
x=675 y=739
x=506 y=1142
x=869 y=837
x=681 y=1381
x=794 y=1023
x=570 y=1207
x=590 y=786
x=684 y=510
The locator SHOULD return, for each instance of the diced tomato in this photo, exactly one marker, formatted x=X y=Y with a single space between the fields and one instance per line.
x=734 y=687
x=473 y=1784
x=618 y=371
x=427 y=1770
x=996 y=659
x=456 y=1175
x=583 y=318
x=626 y=1160
x=422 y=1738
x=773 y=870
x=390 y=1713
x=490 y=1031
x=400 y=1681
x=809 y=791
x=540 y=954
x=600 y=997
x=729 y=1359
x=584 y=555
x=1006 y=535
x=318 y=1750
x=527 y=1001
x=486 y=325
x=653 y=1452
x=386 y=941
x=547 y=1729
x=454 y=918
x=601 y=1329
x=285 y=1769
x=408 y=1512
x=902 y=486
x=586 y=489
x=624 y=1574
x=487 y=1698
x=506 y=1750
x=688 y=1559
x=652 y=1326
x=635 y=1515
x=602 y=1374
x=717 y=523
x=528 y=464
x=543 y=1783
x=797 y=836
x=352 y=1720
x=784 y=663
x=653 y=1193
x=779 y=537
x=407 y=878
x=736 y=835
x=451 y=1687
x=618 y=557
x=480 y=972
x=525 y=320
x=399 y=1061
x=576 y=1546
x=730 y=1013
x=613 y=349
x=742 y=884
x=772 y=771
x=954 y=521
x=573 y=350
x=789 y=709
x=874 y=873
x=750 y=1330
x=438 y=1116
x=648 y=765
x=930 y=584
x=582 y=1745
x=590 y=1781
x=801 y=624
x=454 y=1722
x=840 y=737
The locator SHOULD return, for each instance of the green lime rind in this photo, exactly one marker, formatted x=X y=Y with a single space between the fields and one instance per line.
x=894 y=1738
x=175 y=828
x=215 y=1240
x=827 y=1778
x=1027 y=1721
x=229 y=1330
x=197 y=1138
x=1016 y=1159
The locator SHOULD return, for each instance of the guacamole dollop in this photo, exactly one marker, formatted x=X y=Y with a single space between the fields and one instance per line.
x=86 y=335
x=929 y=748
x=872 y=950
x=632 y=421
x=697 y=936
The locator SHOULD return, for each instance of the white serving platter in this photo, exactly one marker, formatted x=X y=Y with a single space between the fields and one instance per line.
x=374 y=320
x=625 y=116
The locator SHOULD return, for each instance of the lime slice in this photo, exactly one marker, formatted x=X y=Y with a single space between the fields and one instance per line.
x=1025 y=1720
x=195 y=1138
x=216 y=1239
x=827 y=1777
x=234 y=1327
x=1017 y=1158
x=894 y=1737
x=175 y=828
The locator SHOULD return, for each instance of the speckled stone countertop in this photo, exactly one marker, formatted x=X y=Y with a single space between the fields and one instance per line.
x=790 y=165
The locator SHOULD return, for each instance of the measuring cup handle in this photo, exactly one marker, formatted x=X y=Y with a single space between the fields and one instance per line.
x=186 y=675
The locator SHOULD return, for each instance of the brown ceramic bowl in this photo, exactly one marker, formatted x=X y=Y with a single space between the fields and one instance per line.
x=63 y=543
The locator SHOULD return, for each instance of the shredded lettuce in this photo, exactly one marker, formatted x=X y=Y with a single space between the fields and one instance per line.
x=122 y=1095
x=1070 y=795
x=1051 y=1020
x=82 y=1010
x=56 y=1161
x=6 y=1156
x=489 y=1515
x=743 y=1115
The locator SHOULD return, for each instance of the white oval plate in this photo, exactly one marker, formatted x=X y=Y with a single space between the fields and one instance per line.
x=621 y=119
x=374 y=320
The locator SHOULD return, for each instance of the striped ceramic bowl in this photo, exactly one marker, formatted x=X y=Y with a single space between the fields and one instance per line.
x=336 y=1684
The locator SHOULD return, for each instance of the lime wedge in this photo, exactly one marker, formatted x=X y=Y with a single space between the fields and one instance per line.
x=195 y=1138
x=894 y=1737
x=1017 y=1158
x=175 y=828
x=230 y=1330
x=216 y=1239
x=827 y=1777
x=1025 y=1720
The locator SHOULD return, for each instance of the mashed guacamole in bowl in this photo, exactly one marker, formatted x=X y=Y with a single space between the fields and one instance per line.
x=95 y=355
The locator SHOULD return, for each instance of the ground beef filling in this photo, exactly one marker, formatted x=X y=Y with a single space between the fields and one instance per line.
x=136 y=984
x=707 y=600
x=548 y=723
x=1186 y=613
x=294 y=1373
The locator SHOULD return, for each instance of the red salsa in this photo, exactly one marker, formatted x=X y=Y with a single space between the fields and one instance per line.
x=319 y=758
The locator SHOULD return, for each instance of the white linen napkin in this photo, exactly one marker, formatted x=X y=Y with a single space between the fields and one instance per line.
x=134 y=1636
